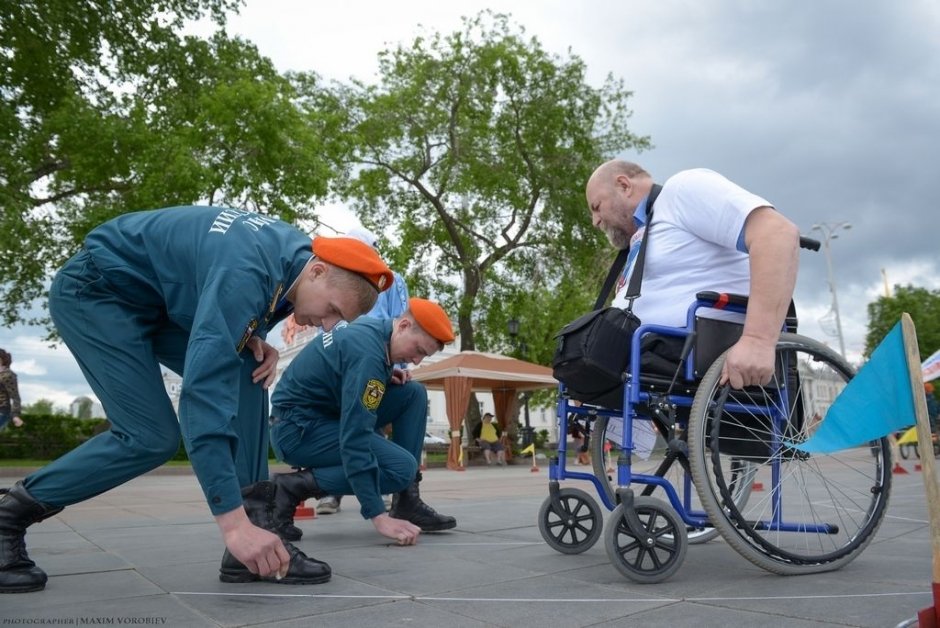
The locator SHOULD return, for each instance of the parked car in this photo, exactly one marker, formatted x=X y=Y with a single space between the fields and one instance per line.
x=431 y=439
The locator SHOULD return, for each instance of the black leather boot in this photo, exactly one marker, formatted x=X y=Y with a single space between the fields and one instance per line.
x=408 y=505
x=292 y=488
x=18 y=510
x=259 y=500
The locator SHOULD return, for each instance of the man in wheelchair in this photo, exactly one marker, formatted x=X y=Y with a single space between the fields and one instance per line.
x=718 y=267
x=706 y=233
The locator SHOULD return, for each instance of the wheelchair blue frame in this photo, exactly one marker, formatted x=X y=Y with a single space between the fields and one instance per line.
x=633 y=396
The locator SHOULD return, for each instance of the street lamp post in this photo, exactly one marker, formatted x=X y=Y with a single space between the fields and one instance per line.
x=829 y=232
x=513 y=327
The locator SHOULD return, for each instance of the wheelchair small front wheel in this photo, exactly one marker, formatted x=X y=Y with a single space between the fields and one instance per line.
x=657 y=552
x=577 y=527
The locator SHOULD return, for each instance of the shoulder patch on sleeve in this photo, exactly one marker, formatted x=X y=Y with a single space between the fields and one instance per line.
x=372 y=395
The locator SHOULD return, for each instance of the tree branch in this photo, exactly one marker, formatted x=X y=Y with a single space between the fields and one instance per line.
x=114 y=187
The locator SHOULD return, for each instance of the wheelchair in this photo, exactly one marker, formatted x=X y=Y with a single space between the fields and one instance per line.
x=718 y=462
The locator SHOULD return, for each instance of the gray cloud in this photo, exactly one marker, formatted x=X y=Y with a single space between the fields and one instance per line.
x=830 y=109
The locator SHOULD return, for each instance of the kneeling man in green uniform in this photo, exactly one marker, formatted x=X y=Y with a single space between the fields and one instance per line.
x=330 y=409
x=194 y=289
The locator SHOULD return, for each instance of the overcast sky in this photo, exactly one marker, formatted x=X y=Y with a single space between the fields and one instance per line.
x=830 y=110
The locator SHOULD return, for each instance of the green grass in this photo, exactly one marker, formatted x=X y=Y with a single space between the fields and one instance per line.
x=16 y=462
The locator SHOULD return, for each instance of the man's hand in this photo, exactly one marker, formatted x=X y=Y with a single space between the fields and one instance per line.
x=260 y=551
x=750 y=362
x=401 y=531
x=17 y=421
x=400 y=376
x=267 y=356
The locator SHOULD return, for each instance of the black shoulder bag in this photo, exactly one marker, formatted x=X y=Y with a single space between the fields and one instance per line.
x=592 y=353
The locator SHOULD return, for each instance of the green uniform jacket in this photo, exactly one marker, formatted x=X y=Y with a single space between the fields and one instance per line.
x=219 y=274
x=341 y=376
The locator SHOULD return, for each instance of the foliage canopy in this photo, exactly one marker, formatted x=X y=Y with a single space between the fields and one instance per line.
x=924 y=307
x=474 y=148
x=107 y=109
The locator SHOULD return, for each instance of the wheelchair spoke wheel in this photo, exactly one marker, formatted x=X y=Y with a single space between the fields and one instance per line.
x=655 y=465
x=816 y=512
x=657 y=552
x=577 y=527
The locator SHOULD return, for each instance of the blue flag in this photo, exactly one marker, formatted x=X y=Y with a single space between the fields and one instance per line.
x=875 y=403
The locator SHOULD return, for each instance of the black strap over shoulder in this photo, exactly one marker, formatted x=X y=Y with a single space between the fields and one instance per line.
x=619 y=261
x=636 y=277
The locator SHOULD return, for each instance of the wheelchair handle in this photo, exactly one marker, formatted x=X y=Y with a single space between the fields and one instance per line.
x=809 y=243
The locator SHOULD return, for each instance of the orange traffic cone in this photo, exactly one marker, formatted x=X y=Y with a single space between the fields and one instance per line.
x=305 y=512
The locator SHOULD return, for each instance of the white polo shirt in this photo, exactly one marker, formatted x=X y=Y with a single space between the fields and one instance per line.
x=698 y=220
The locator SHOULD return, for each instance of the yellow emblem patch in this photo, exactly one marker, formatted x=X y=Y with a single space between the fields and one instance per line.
x=372 y=395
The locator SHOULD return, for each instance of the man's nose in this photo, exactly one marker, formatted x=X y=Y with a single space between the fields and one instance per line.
x=596 y=220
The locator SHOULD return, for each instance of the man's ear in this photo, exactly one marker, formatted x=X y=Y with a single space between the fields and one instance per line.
x=317 y=269
x=624 y=184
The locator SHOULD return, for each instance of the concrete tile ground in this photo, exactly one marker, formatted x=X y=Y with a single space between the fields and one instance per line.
x=147 y=553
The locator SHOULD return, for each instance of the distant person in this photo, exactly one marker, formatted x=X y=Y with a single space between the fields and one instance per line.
x=9 y=393
x=933 y=407
x=489 y=442
x=581 y=436
x=329 y=411
x=198 y=287
x=391 y=304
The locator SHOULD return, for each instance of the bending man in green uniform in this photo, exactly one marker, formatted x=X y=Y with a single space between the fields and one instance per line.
x=194 y=289
x=330 y=408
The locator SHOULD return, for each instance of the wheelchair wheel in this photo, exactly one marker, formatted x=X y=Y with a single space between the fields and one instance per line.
x=577 y=528
x=655 y=556
x=819 y=511
x=655 y=465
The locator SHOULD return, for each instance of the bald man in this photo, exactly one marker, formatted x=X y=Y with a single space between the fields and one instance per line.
x=707 y=233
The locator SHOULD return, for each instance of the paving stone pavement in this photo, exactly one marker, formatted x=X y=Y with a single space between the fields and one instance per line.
x=148 y=552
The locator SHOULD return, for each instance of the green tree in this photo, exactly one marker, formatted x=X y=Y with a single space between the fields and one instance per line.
x=41 y=407
x=475 y=147
x=108 y=109
x=924 y=307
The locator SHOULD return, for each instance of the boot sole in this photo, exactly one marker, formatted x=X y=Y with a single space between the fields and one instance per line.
x=317 y=580
x=23 y=589
x=244 y=578
x=238 y=578
x=439 y=528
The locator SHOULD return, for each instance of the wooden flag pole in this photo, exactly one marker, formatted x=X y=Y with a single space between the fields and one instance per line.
x=930 y=616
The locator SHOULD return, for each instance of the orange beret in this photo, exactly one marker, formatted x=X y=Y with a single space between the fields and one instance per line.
x=432 y=318
x=355 y=256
